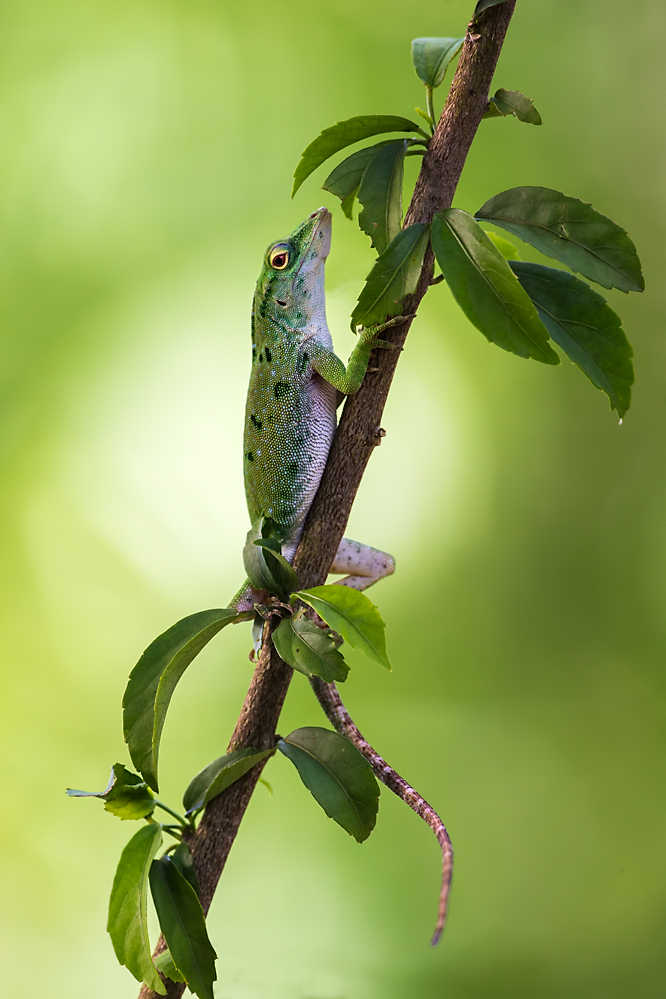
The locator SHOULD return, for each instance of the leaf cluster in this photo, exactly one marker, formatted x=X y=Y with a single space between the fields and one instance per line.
x=520 y=309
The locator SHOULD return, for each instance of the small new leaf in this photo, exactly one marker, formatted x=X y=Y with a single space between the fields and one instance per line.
x=309 y=650
x=395 y=275
x=584 y=326
x=486 y=288
x=431 y=58
x=337 y=776
x=345 y=180
x=380 y=194
x=484 y=4
x=345 y=133
x=506 y=102
x=183 y=924
x=127 y=925
x=352 y=615
x=153 y=681
x=266 y=567
x=126 y=794
x=164 y=963
x=506 y=248
x=218 y=775
x=569 y=230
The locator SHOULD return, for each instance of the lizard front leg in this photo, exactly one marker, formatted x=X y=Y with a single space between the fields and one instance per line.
x=348 y=379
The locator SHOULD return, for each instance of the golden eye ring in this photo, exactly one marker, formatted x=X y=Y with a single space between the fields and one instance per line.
x=280 y=257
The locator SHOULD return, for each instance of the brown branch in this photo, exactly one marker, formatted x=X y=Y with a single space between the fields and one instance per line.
x=353 y=444
x=329 y=698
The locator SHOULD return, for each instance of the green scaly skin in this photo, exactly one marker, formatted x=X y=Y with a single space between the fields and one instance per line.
x=290 y=417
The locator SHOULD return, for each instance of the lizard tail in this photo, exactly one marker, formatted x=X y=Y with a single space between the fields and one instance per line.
x=329 y=698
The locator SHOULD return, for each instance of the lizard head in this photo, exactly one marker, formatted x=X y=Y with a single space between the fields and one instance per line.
x=290 y=289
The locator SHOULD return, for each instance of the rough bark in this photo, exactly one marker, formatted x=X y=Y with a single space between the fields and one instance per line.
x=355 y=440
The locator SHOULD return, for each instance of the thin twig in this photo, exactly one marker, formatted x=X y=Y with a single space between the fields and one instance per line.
x=329 y=698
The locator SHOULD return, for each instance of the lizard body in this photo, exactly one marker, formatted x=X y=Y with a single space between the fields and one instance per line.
x=290 y=417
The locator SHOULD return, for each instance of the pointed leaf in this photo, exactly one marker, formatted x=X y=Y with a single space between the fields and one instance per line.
x=345 y=180
x=352 y=615
x=74 y=793
x=308 y=649
x=395 y=275
x=484 y=4
x=380 y=194
x=126 y=794
x=280 y=570
x=127 y=923
x=584 y=326
x=337 y=776
x=347 y=204
x=164 y=963
x=486 y=289
x=431 y=57
x=184 y=861
x=345 y=133
x=154 y=678
x=220 y=774
x=506 y=102
x=507 y=249
x=183 y=924
x=569 y=230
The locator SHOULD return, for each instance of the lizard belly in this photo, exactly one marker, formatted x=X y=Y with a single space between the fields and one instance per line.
x=289 y=427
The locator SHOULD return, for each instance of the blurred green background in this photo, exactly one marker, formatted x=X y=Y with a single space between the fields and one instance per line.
x=145 y=161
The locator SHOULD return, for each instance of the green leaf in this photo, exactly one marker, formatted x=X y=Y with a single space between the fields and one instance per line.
x=183 y=924
x=395 y=275
x=570 y=231
x=426 y=117
x=431 y=57
x=347 y=204
x=184 y=861
x=345 y=180
x=154 y=678
x=338 y=777
x=380 y=194
x=281 y=572
x=484 y=4
x=309 y=649
x=220 y=774
x=507 y=249
x=352 y=615
x=345 y=133
x=266 y=567
x=584 y=326
x=486 y=288
x=506 y=102
x=127 y=923
x=126 y=794
x=164 y=963
x=129 y=799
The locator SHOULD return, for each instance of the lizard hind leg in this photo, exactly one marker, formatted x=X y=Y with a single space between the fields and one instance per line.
x=362 y=564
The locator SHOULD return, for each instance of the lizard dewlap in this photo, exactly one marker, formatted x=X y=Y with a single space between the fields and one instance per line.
x=290 y=417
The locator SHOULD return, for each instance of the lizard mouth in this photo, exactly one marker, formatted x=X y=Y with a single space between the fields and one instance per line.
x=320 y=239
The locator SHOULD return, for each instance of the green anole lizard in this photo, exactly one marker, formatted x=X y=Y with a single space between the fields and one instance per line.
x=292 y=398
x=290 y=420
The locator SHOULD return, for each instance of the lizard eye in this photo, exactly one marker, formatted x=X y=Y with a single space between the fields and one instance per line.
x=280 y=256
